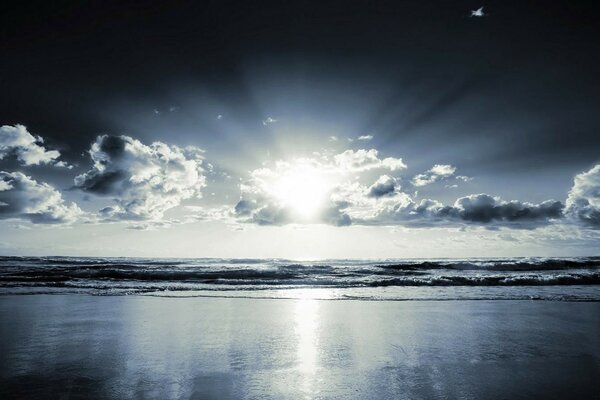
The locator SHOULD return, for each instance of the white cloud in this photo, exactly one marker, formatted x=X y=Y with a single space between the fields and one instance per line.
x=478 y=12
x=422 y=180
x=583 y=201
x=269 y=121
x=463 y=178
x=28 y=149
x=277 y=192
x=144 y=180
x=24 y=198
x=305 y=189
x=363 y=160
x=315 y=189
x=342 y=200
x=393 y=164
x=443 y=170
x=365 y=137
x=437 y=172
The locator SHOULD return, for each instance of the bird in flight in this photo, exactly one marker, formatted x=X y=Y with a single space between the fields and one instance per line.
x=478 y=13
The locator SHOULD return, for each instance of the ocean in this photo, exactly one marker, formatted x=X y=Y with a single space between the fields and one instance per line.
x=558 y=279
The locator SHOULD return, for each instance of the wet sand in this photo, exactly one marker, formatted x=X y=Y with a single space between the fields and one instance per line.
x=79 y=346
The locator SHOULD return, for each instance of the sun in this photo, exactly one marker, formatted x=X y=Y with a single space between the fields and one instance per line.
x=303 y=189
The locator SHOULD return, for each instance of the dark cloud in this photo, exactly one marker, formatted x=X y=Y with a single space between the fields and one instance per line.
x=244 y=208
x=336 y=215
x=258 y=209
x=271 y=214
x=477 y=209
x=261 y=211
x=102 y=183
x=485 y=209
x=384 y=186
x=24 y=198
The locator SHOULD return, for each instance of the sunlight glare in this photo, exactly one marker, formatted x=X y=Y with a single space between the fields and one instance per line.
x=303 y=188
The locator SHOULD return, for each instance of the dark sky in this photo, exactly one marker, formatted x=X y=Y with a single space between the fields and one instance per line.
x=514 y=91
x=506 y=105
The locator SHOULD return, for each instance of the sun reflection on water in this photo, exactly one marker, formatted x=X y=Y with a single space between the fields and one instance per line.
x=307 y=325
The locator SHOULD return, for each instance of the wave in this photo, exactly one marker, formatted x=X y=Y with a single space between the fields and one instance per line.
x=140 y=275
x=259 y=278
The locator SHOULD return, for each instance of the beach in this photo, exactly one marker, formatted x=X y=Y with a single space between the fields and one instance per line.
x=145 y=347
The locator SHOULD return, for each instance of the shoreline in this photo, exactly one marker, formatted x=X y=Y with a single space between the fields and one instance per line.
x=558 y=293
x=433 y=300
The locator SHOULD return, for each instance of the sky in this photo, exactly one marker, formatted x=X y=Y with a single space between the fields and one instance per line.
x=303 y=130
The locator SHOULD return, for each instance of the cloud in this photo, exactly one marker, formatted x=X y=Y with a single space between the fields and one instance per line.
x=478 y=13
x=463 y=178
x=270 y=194
x=365 y=137
x=384 y=186
x=152 y=225
x=483 y=208
x=333 y=138
x=28 y=149
x=269 y=121
x=276 y=192
x=336 y=215
x=583 y=201
x=476 y=209
x=404 y=211
x=144 y=180
x=24 y=198
x=363 y=160
x=437 y=172
x=314 y=190
x=261 y=211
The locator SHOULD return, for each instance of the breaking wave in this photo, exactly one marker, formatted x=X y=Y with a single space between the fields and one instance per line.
x=138 y=275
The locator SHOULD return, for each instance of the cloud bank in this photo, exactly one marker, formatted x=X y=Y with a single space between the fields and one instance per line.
x=354 y=187
x=347 y=202
x=478 y=209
